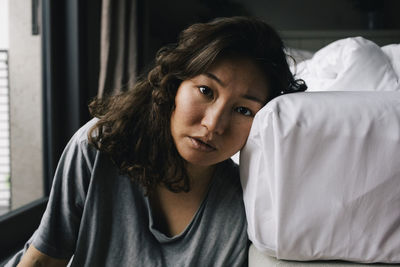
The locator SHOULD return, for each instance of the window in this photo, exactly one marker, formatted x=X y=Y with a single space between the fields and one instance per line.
x=5 y=188
x=21 y=169
x=21 y=127
x=52 y=77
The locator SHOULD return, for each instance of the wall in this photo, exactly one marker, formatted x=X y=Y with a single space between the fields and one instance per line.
x=319 y=15
x=25 y=106
x=165 y=19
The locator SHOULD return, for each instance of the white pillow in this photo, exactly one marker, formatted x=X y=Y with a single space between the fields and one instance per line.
x=351 y=64
x=393 y=53
x=321 y=177
x=298 y=55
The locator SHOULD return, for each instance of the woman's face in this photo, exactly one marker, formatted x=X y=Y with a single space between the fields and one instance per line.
x=214 y=111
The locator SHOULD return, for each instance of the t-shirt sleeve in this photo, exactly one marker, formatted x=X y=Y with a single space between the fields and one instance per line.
x=59 y=227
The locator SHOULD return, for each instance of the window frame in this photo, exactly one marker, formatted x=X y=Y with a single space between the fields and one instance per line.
x=70 y=32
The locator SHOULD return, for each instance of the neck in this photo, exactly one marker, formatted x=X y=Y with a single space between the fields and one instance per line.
x=199 y=176
x=174 y=211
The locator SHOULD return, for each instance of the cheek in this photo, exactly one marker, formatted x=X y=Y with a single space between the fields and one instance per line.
x=186 y=109
x=239 y=134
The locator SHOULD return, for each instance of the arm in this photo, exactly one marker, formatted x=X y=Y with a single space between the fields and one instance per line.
x=60 y=223
x=35 y=258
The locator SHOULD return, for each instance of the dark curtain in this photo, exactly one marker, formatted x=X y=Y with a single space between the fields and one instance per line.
x=118 y=51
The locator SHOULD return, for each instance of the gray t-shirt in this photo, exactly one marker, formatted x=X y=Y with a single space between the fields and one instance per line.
x=101 y=218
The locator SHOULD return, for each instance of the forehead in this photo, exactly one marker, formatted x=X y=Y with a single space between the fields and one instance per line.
x=242 y=74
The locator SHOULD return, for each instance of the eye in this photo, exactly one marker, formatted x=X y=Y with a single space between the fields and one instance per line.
x=244 y=111
x=205 y=90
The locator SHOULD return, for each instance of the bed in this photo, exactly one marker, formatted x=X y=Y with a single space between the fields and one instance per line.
x=321 y=169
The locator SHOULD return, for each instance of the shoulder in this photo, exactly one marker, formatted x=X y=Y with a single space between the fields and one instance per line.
x=80 y=140
x=83 y=133
x=78 y=151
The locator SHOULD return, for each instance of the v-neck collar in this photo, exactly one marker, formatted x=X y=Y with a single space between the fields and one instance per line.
x=161 y=236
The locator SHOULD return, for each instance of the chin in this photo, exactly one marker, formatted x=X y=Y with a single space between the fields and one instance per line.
x=204 y=161
x=201 y=162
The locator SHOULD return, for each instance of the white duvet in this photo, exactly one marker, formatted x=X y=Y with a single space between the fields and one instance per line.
x=321 y=170
x=352 y=64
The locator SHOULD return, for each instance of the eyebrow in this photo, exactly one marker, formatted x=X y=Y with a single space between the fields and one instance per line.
x=254 y=98
x=215 y=78
x=249 y=97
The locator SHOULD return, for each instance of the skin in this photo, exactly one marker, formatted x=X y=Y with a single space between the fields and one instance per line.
x=35 y=258
x=214 y=112
x=211 y=122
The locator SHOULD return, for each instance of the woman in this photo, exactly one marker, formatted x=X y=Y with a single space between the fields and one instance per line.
x=149 y=181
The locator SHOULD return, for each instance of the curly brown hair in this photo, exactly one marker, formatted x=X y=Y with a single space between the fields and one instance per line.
x=134 y=126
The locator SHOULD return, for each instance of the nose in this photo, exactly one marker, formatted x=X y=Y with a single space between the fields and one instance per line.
x=216 y=119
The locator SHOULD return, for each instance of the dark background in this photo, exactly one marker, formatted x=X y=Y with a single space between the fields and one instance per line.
x=164 y=19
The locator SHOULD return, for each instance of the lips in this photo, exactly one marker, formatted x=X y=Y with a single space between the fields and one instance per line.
x=201 y=145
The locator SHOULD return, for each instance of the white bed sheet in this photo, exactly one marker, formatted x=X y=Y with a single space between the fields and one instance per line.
x=321 y=177
x=258 y=259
